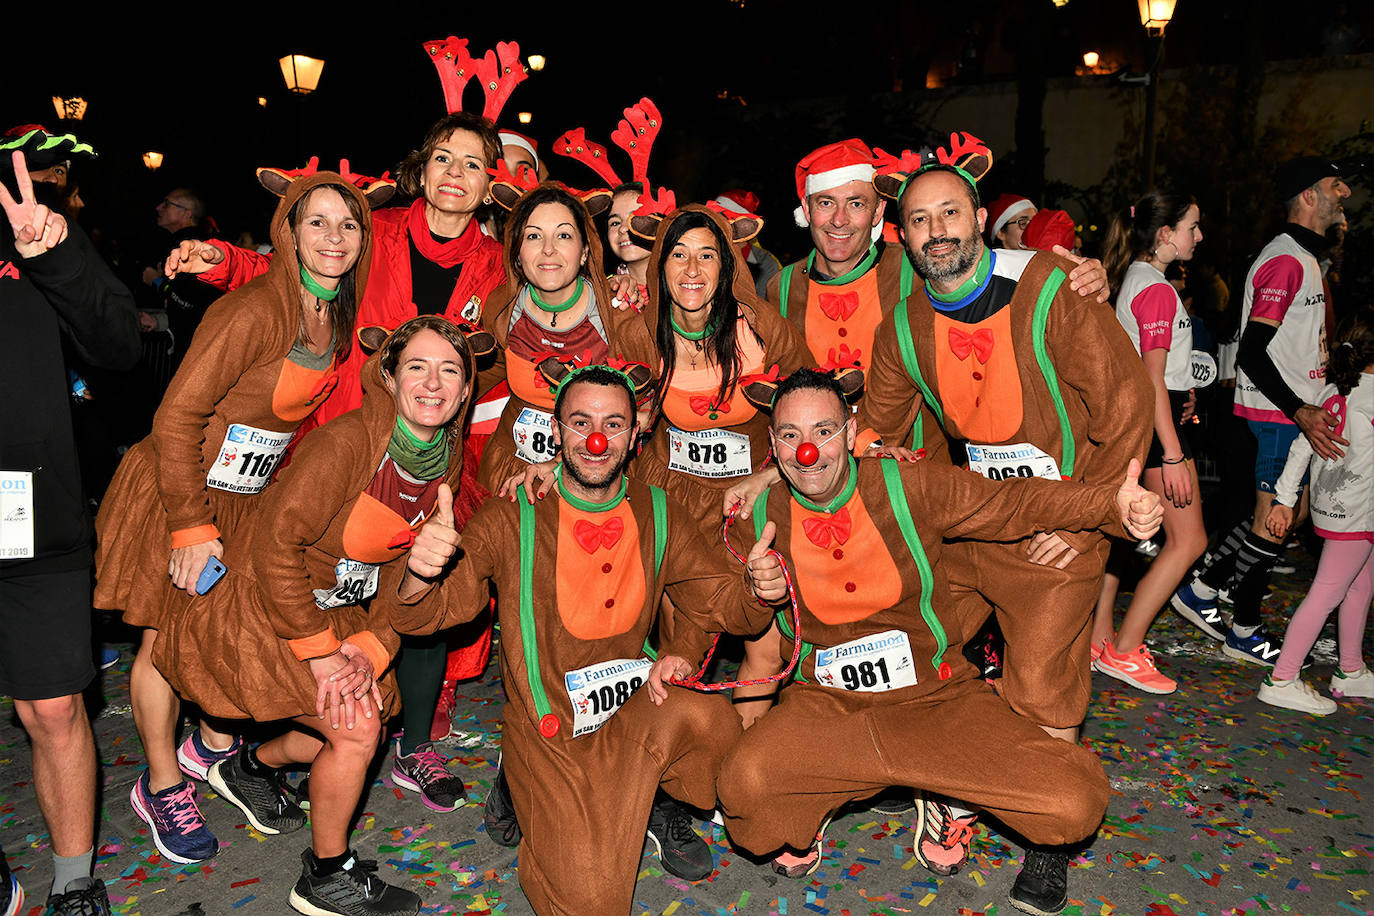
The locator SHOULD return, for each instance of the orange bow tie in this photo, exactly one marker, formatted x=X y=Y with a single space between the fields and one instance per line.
x=821 y=530
x=979 y=342
x=591 y=536
x=701 y=406
x=839 y=306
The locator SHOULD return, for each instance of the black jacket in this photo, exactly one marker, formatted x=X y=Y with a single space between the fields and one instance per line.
x=67 y=292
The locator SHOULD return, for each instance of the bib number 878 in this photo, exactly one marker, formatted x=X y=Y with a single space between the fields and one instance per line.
x=706 y=454
x=607 y=698
x=865 y=674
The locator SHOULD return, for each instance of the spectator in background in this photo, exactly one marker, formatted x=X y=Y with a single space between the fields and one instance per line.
x=55 y=289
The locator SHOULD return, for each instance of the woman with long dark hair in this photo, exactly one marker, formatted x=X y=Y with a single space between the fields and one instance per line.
x=1143 y=240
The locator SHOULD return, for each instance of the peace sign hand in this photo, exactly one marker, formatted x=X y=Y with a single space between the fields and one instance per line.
x=36 y=228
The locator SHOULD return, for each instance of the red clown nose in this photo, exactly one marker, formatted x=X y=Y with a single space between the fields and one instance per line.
x=596 y=444
x=807 y=454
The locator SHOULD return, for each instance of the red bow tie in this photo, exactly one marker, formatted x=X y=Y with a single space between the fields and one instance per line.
x=979 y=342
x=839 y=306
x=820 y=530
x=591 y=536
x=701 y=406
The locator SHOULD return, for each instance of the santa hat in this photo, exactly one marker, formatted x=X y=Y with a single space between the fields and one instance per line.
x=512 y=138
x=1048 y=228
x=738 y=200
x=1005 y=209
x=831 y=166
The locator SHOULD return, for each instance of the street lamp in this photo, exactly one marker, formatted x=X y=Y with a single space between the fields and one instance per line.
x=301 y=73
x=1154 y=16
x=152 y=160
x=525 y=117
x=73 y=109
x=1090 y=59
x=536 y=61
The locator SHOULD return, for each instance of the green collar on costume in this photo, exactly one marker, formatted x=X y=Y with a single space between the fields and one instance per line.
x=858 y=270
x=418 y=458
x=840 y=499
x=313 y=287
x=555 y=309
x=691 y=335
x=578 y=502
x=980 y=274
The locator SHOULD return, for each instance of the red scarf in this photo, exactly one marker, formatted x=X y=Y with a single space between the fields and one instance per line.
x=445 y=254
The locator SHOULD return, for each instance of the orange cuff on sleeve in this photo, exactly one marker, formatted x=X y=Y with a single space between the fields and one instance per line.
x=373 y=648
x=865 y=438
x=189 y=537
x=317 y=646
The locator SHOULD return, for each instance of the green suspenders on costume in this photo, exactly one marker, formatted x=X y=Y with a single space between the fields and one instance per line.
x=785 y=287
x=1039 y=321
x=528 y=638
x=895 y=495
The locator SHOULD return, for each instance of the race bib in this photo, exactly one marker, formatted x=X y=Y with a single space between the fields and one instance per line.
x=709 y=452
x=356 y=583
x=533 y=432
x=1203 y=368
x=247 y=459
x=597 y=691
x=16 y=515
x=872 y=664
x=1003 y=462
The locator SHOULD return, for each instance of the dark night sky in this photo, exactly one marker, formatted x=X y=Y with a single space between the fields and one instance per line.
x=191 y=92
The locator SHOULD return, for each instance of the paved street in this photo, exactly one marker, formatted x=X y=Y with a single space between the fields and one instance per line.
x=1221 y=805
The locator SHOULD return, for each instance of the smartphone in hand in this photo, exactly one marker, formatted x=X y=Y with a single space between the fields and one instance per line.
x=214 y=571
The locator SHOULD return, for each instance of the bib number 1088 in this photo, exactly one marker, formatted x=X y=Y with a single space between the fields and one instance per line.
x=608 y=698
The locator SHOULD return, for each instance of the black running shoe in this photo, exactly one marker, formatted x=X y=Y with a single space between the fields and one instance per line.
x=351 y=891
x=262 y=799
x=83 y=897
x=11 y=894
x=1042 y=887
x=499 y=813
x=683 y=852
x=892 y=802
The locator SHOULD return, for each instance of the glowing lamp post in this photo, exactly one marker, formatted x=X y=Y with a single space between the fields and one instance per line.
x=1154 y=16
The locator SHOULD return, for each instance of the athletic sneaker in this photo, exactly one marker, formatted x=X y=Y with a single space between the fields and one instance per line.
x=1295 y=694
x=1257 y=648
x=498 y=814
x=1356 y=684
x=11 y=893
x=1042 y=887
x=83 y=897
x=1095 y=652
x=195 y=759
x=1136 y=667
x=1200 y=612
x=351 y=891
x=262 y=799
x=1224 y=593
x=1148 y=548
x=790 y=865
x=178 y=827
x=108 y=658
x=302 y=793
x=892 y=802
x=942 y=840
x=680 y=848
x=426 y=772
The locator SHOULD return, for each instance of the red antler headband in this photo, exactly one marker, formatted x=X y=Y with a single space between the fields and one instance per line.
x=500 y=72
x=635 y=134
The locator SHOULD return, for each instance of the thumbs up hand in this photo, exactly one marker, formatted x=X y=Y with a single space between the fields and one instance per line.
x=437 y=541
x=764 y=568
x=1141 y=511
